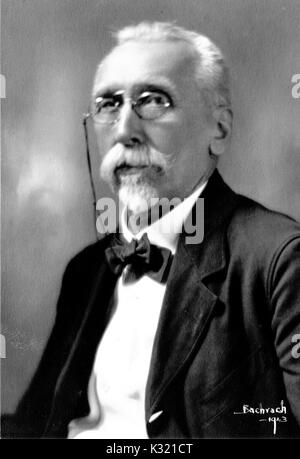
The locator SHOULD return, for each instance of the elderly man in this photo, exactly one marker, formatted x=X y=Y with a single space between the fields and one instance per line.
x=158 y=335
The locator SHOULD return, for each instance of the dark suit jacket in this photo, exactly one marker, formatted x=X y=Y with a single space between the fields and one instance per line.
x=224 y=339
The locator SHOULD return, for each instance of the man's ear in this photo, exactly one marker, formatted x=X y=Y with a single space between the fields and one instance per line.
x=223 y=125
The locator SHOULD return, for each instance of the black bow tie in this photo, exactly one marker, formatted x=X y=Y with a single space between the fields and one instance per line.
x=140 y=257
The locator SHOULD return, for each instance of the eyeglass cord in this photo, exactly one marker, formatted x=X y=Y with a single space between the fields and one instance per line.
x=88 y=157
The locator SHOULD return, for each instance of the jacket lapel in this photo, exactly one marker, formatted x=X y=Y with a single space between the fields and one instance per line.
x=188 y=304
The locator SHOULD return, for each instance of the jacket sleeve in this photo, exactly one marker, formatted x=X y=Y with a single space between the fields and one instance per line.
x=33 y=410
x=284 y=291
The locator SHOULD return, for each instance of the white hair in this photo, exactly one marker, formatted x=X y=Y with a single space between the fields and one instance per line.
x=212 y=73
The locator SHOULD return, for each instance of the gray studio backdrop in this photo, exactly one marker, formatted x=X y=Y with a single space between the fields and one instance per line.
x=50 y=49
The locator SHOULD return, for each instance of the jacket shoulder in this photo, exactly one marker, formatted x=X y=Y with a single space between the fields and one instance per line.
x=258 y=237
x=258 y=225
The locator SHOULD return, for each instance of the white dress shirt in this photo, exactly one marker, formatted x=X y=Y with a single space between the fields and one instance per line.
x=117 y=384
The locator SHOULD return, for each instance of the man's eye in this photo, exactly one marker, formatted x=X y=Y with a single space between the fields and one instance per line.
x=154 y=99
x=106 y=104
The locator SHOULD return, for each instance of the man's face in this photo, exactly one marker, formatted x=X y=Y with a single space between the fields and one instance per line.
x=162 y=158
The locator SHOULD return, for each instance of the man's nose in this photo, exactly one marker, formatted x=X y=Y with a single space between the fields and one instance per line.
x=129 y=127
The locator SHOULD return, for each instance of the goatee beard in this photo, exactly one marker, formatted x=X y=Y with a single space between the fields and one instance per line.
x=136 y=194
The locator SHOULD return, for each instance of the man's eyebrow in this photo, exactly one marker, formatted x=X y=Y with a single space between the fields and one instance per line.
x=104 y=92
x=157 y=83
x=153 y=84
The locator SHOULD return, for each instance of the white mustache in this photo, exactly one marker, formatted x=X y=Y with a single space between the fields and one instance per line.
x=140 y=156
